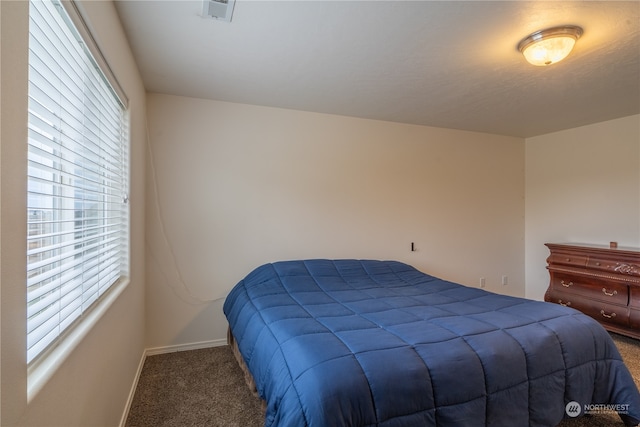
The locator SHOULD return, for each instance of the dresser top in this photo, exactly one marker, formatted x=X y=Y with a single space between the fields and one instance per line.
x=595 y=247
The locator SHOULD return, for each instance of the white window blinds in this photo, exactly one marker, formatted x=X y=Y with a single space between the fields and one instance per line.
x=78 y=232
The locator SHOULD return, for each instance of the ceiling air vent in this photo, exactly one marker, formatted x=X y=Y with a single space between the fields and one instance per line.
x=218 y=9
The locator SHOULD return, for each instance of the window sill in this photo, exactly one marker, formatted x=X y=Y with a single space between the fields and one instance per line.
x=43 y=368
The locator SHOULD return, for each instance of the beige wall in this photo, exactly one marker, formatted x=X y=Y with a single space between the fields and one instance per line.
x=92 y=385
x=242 y=185
x=582 y=185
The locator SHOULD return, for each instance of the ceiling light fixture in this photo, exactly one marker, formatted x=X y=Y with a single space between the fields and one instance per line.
x=546 y=47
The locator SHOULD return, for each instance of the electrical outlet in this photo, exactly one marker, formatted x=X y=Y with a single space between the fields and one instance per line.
x=505 y=280
x=482 y=282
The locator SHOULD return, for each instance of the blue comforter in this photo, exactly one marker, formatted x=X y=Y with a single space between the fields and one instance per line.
x=378 y=343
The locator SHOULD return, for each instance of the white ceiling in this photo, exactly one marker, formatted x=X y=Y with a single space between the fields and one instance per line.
x=451 y=64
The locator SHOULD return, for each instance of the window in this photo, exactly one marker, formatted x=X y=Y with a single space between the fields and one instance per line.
x=77 y=213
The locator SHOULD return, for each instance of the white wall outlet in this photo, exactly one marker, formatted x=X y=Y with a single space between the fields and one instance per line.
x=505 y=280
x=482 y=282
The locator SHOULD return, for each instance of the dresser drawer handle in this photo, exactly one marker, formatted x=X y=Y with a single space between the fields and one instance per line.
x=564 y=304
x=566 y=285
x=597 y=264
x=608 y=316
x=609 y=294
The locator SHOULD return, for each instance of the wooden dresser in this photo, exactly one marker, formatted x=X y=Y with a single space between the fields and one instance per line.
x=602 y=282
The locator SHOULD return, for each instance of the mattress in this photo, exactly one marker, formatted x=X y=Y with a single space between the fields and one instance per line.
x=379 y=343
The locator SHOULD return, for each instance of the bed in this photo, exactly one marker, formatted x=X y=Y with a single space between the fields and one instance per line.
x=379 y=343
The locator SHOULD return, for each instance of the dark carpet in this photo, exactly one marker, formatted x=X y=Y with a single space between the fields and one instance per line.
x=203 y=387
x=207 y=388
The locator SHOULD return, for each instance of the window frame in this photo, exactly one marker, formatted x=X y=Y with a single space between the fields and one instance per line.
x=44 y=364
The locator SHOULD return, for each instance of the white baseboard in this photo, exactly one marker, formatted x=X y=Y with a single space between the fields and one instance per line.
x=185 y=347
x=162 y=350
x=132 y=392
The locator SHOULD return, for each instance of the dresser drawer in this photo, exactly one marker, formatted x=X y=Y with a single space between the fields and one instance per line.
x=567 y=259
x=613 y=266
x=605 y=291
x=601 y=311
x=634 y=296
x=634 y=318
x=559 y=297
x=607 y=313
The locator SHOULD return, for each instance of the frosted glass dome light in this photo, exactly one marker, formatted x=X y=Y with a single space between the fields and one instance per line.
x=549 y=46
